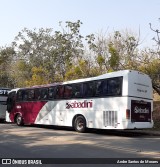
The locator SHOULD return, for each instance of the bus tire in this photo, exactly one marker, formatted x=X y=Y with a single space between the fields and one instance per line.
x=19 y=120
x=80 y=124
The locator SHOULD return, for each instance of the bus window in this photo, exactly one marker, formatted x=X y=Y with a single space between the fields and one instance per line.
x=114 y=86
x=88 y=89
x=59 y=92
x=105 y=87
x=25 y=95
x=99 y=88
x=51 y=92
x=37 y=94
x=30 y=95
x=77 y=90
x=44 y=93
x=68 y=91
x=20 y=95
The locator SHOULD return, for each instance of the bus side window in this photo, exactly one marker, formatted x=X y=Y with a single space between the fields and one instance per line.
x=44 y=93
x=77 y=90
x=88 y=89
x=114 y=86
x=51 y=93
x=37 y=94
x=67 y=91
x=25 y=95
x=30 y=95
x=59 y=92
x=105 y=87
x=99 y=88
x=20 y=95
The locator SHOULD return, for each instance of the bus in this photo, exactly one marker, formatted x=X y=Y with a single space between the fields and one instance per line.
x=3 y=102
x=116 y=100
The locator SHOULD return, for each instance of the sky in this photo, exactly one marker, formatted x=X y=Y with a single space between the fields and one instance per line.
x=96 y=15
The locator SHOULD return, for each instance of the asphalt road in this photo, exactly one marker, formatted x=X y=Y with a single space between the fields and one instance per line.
x=54 y=142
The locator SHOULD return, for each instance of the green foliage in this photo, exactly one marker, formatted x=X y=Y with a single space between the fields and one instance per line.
x=78 y=71
x=6 y=57
x=20 y=72
x=100 y=60
x=69 y=46
x=74 y=73
x=114 y=59
x=152 y=68
x=38 y=77
x=53 y=51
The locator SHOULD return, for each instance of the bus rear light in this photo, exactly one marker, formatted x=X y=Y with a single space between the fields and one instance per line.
x=127 y=114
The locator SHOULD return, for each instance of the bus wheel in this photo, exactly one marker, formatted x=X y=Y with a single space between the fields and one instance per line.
x=19 y=120
x=80 y=124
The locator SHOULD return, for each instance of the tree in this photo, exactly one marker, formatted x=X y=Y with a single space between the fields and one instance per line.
x=34 y=50
x=54 y=52
x=68 y=46
x=20 y=73
x=123 y=48
x=116 y=51
x=6 y=59
x=156 y=39
x=156 y=63
x=38 y=77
